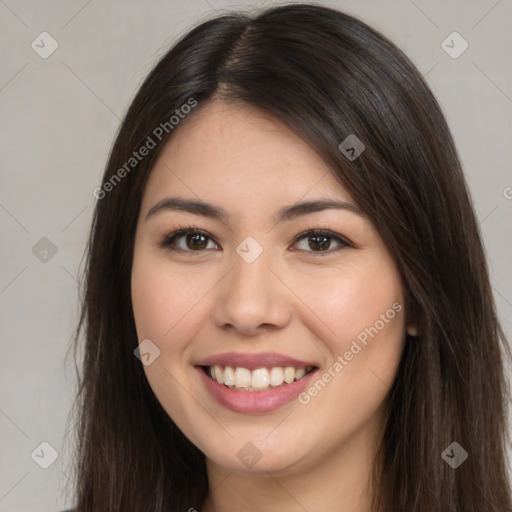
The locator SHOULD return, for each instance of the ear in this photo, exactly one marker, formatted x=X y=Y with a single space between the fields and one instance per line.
x=412 y=330
x=413 y=315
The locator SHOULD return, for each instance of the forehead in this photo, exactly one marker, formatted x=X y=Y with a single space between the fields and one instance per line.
x=242 y=156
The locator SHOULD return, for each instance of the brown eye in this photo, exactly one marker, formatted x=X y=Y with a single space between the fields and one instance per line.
x=187 y=240
x=319 y=241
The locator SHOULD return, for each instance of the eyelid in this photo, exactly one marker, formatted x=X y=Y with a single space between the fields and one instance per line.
x=341 y=240
x=182 y=231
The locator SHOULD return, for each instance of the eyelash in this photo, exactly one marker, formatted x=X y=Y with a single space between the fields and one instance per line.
x=169 y=239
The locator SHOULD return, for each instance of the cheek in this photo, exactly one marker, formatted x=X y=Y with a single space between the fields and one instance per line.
x=163 y=306
x=365 y=314
x=362 y=306
x=352 y=299
x=162 y=299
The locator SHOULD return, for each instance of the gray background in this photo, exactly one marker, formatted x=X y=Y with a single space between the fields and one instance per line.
x=58 y=117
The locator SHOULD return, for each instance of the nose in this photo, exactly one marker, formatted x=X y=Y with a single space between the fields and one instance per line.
x=251 y=298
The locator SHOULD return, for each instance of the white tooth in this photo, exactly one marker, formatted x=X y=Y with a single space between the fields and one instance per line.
x=229 y=376
x=289 y=374
x=299 y=373
x=219 y=377
x=260 y=378
x=276 y=376
x=211 y=372
x=243 y=378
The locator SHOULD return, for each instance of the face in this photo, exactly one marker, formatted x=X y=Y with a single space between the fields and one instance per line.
x=257 y=289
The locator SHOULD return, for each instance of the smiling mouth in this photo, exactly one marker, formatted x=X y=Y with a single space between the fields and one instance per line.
x=259 y=379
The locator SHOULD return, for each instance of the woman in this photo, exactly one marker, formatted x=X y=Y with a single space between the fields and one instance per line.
x=287 y=305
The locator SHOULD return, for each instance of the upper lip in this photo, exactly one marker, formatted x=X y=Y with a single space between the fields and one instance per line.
x=253 y=361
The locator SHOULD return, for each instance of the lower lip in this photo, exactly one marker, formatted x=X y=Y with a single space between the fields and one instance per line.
x=254 y=401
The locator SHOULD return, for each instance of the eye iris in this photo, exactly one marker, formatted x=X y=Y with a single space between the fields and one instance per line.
x=194 y=237
x=320 y=241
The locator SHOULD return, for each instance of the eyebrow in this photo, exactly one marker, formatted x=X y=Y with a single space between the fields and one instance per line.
x=287 y=213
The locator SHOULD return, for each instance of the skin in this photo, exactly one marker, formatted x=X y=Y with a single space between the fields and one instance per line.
x=315 y=456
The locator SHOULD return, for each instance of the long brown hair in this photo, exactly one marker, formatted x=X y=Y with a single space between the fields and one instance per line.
x=327 y=75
